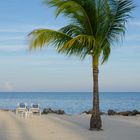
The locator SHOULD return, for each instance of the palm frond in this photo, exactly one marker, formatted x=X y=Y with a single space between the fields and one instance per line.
x=120 y=13
x=106 y=51
x=80 y=45
x=74 y=10
x=72 y=30
x=94 y=26
x=41 y=37
x=113 y=17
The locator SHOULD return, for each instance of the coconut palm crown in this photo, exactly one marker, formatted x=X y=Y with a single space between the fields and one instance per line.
x=94 y=25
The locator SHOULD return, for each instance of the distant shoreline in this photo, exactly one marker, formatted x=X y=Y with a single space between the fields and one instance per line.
x=110 y=112
x=72 y=102
x=68 y=92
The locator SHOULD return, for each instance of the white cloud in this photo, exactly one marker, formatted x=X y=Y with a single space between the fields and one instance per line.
x=24 y=28
x=13 y=48
x=135 y=23
x=17 y=42
x=133 y=37
x=7 y=86
x=12 y=38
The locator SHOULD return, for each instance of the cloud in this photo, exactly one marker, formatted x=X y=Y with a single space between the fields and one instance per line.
x=24 y=28
x=7 y=86
x=135 y=37
x=12 y=37
x=13 y=48
x=135 y=23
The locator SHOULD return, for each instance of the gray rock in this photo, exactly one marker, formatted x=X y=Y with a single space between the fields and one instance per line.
x=111 y=112
x=129 y=113
x=60 y=112
x=49 y=110
x=124 y=113
x=87 y=112
x=134 y=112
x=90 y=112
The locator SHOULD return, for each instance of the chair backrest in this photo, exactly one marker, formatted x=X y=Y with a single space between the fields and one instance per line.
x=22 y=105
x=35 y=105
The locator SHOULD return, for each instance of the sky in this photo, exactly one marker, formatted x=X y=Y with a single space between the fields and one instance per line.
x=47 y=71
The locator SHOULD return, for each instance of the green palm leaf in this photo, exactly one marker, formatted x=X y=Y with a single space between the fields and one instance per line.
x=74 y=10
x=79 y=45
x=103 y=20
x=41 y=37
x=94 y=26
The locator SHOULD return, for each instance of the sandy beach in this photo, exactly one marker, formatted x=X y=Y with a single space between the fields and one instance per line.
x=64 y=127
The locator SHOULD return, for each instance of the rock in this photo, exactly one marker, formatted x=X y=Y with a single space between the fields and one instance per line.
x=60 y=112
x=111 y=112
x=125 y=113
x=49 y=110
x=134 y=112
x=86 y=112
x=90 y=112
x=129 y=113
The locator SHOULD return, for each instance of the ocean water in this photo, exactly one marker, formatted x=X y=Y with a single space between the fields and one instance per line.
x=74 y=102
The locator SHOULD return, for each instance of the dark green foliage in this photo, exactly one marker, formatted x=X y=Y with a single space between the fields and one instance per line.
x=94 y=26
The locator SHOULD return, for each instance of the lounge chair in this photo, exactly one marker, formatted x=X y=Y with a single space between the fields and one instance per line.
x=22 y=108
x=35 y=109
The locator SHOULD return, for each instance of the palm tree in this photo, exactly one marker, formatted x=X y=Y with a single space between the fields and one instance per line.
x=93 y=27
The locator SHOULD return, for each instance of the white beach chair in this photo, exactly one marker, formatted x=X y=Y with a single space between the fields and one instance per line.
x=35 y=109
x=22 y=108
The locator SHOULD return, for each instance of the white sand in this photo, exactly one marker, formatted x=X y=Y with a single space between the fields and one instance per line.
x=63 y=127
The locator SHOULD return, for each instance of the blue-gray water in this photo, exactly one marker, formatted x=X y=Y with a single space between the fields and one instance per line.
x=72 y=103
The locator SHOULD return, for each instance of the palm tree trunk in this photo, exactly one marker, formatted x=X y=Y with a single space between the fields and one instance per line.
x=95 y=121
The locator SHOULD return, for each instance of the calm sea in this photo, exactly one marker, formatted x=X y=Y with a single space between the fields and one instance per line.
x=72 y=103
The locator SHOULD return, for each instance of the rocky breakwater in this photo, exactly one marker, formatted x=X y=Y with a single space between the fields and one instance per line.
x=49 y=110
x=123 y=113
